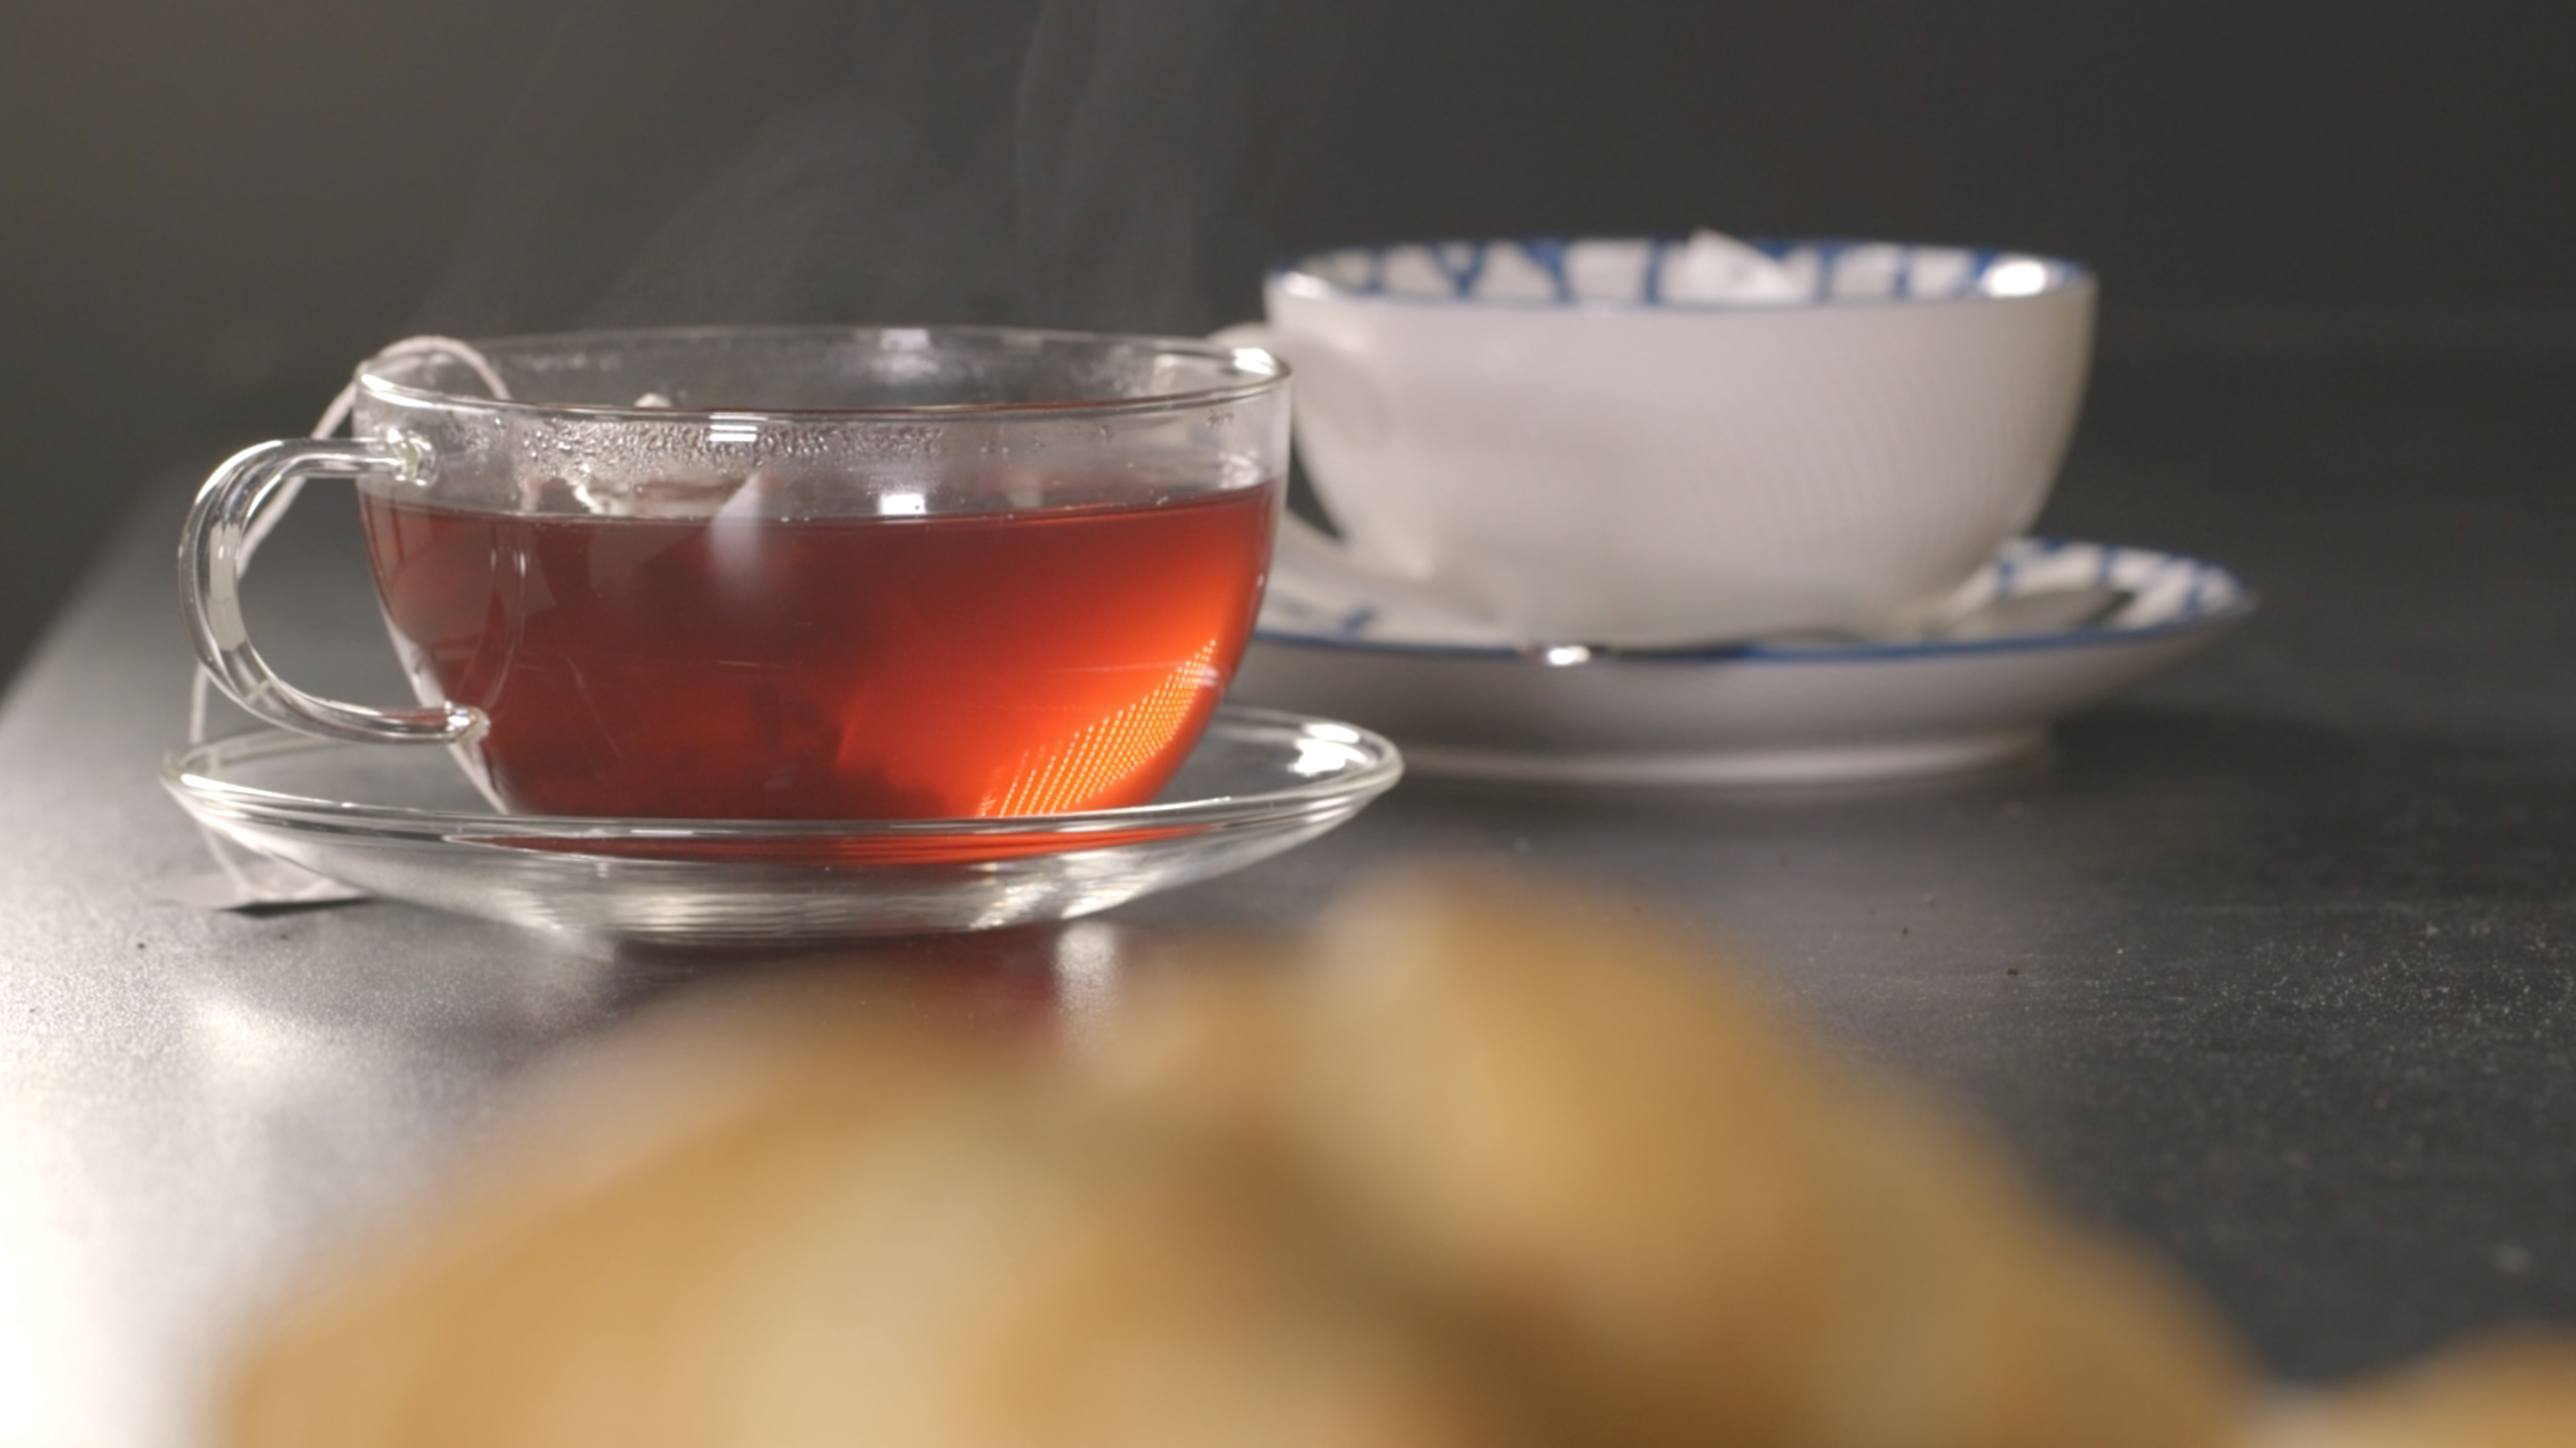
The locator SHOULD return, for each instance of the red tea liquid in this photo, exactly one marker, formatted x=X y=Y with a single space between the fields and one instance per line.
x=834 y=668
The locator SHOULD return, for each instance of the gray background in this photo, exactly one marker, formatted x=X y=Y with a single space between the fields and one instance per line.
x=212 y=211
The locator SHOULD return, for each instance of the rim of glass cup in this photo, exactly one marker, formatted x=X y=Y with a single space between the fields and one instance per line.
x=1263 y=372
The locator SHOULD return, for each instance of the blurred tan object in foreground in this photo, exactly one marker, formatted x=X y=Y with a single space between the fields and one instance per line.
x=1651 y=1197
x=800 y=1215
x=2516 y=1391
x=1475 y=1166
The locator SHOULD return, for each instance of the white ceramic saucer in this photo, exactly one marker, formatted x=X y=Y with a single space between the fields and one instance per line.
x=403 y=823
x=2044 y=629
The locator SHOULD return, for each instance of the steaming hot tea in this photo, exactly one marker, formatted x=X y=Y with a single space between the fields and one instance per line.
x=850 y=667
x=783 y=573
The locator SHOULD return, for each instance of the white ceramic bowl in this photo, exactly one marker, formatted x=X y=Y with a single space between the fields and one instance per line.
x=1580 y=442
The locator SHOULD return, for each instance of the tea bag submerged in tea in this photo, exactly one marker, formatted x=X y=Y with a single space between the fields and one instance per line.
x=242 y=881
x=688 y=471
x=614 y=495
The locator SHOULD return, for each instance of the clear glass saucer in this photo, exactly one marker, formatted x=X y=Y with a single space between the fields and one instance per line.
x=405 y=824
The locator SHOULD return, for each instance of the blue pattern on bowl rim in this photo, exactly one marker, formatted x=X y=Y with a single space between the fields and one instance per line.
x=2160 y=595
x=1498 y=271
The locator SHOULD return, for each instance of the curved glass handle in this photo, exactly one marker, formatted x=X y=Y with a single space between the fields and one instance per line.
x=211 y=550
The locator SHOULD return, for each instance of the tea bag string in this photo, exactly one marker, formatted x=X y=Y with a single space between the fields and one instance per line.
x=337 y=413
x=244 y=890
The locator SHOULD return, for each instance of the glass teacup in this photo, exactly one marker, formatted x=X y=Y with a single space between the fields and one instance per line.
x=789 y=573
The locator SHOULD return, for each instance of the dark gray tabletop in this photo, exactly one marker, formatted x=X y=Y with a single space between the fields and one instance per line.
x=2272 y=963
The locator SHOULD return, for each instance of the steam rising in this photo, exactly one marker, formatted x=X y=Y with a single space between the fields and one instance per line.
x=1083 y=163
x=1134 y=123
